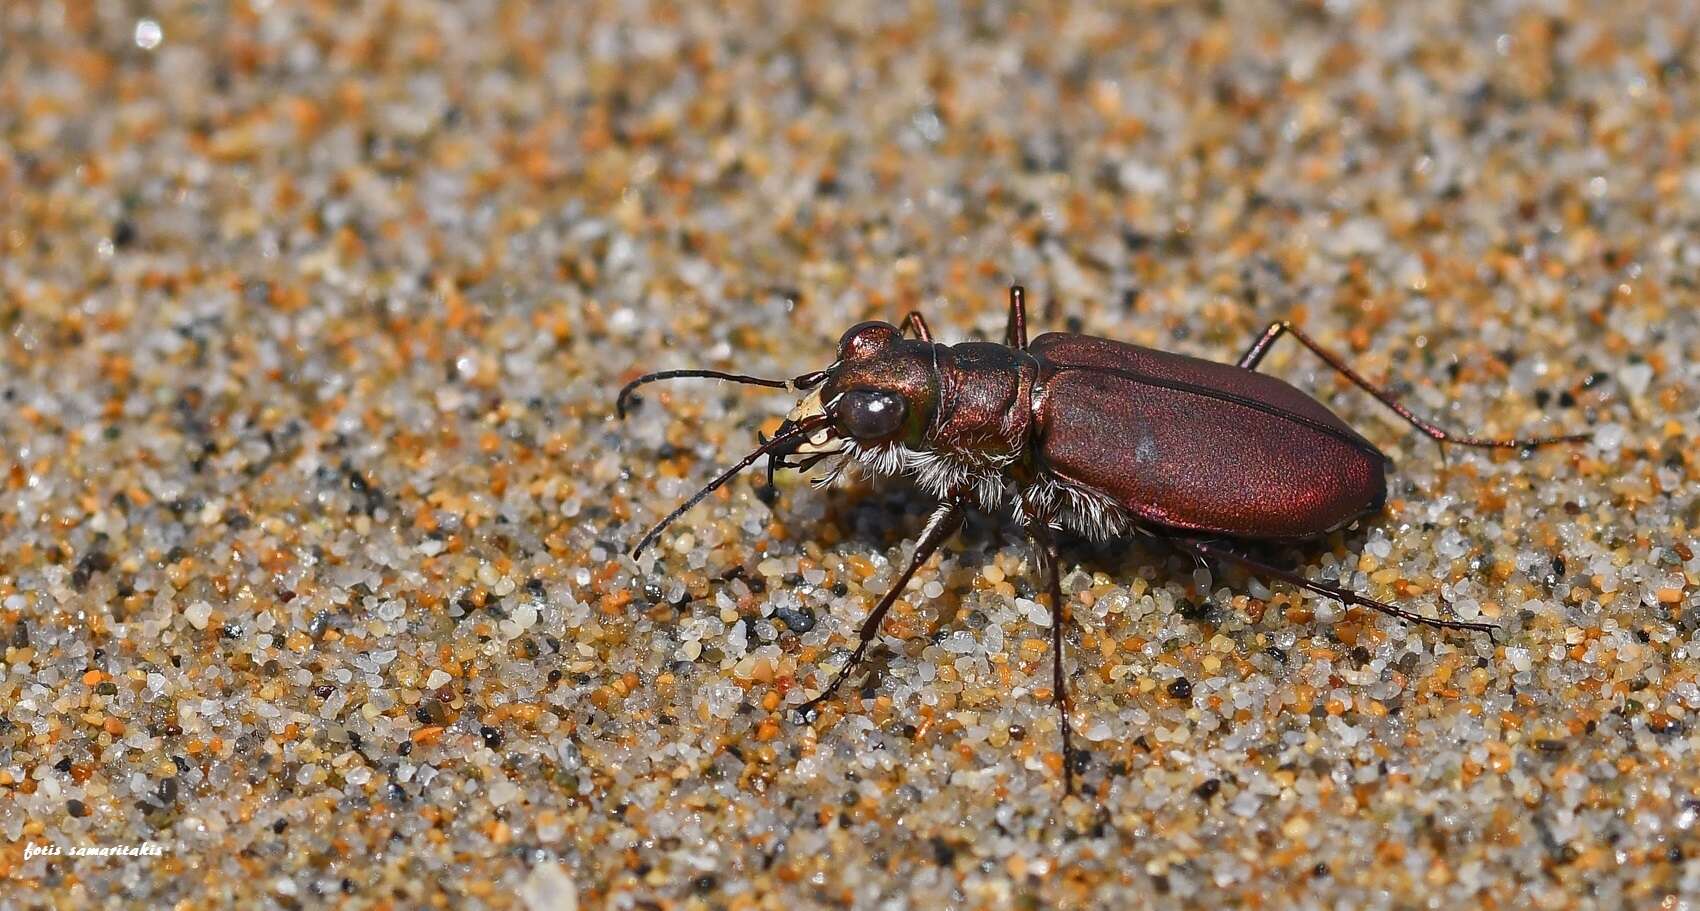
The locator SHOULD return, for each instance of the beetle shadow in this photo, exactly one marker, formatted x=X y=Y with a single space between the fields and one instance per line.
x=883 y=515
x=887 y=516
x=878 y=515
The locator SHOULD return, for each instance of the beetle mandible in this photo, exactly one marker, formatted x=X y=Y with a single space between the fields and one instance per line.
x=1084 y=434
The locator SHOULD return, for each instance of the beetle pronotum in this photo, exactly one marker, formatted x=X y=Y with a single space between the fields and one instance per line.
x=1089 y=435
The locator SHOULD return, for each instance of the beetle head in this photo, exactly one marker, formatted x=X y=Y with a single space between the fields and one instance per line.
x=879 y=396
x=882 y=390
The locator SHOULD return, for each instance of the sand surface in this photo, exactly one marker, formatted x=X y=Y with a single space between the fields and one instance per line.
x=313 y=505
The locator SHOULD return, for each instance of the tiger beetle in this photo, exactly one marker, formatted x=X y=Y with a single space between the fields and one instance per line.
x=1088 y=435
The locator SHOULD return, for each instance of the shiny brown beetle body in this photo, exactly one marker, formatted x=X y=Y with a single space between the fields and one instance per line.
x=1088 y=435
x=1300 y=471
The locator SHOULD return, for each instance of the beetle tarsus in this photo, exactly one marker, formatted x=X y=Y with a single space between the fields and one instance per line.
x=810 y=710
x=1254 y=355
x=1342 y=595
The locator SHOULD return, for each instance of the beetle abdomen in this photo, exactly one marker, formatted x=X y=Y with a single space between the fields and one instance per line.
x=1199 y=446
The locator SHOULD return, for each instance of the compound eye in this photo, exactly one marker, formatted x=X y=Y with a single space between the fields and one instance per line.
x=871 y=415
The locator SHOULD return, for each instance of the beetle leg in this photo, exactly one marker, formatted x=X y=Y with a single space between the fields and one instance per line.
x=1015 y=334
x=1202 y=548
x=1254 y=355
x=1046 y=551
x=941 y=525
x=917 y=324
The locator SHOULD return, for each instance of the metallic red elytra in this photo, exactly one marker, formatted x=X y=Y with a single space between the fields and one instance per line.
x=1094 y=436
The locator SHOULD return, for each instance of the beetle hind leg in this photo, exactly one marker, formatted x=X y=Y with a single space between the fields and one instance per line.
x=1206 y=549
x=1254 y=355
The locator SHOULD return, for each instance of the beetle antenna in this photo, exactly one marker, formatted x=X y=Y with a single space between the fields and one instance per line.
x=801 y=431
x=624 y=401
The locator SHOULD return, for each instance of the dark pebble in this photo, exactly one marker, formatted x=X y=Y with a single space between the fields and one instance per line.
x=797 y=620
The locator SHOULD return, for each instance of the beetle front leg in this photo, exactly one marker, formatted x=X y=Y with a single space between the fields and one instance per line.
x=943 y=523
x=1046 y=551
